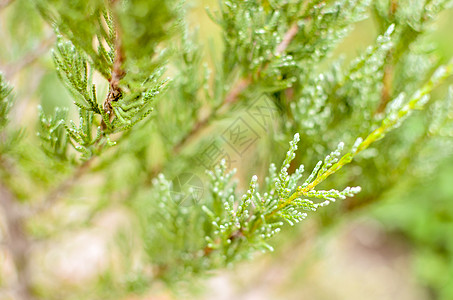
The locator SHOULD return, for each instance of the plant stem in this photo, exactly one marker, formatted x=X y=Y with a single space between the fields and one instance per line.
x=63 y=188
x=235 y=92
x=117 y=74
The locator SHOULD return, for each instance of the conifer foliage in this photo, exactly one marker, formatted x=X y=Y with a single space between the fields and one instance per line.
x=147 y=103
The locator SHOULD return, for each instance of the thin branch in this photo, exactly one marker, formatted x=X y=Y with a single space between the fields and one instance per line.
x=439 y=76
x=202 y=123
x=386 y=92
x=235 y=92
x=114 y=94
x=52 y=198
x=287 y=39
x=118 y=73
x=199 y=125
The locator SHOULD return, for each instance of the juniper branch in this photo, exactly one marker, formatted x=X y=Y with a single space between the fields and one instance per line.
x=115 y=92
x=287 y=38
x=417 y=101
x=235 y=92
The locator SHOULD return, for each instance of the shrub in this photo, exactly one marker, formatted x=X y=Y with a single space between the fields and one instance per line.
x=162 y=120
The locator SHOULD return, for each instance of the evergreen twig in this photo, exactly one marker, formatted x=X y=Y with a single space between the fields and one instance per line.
x=238 y=88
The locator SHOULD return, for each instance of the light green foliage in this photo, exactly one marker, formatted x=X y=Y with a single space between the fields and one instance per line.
x=72 y=68
x=53 y=134
x=72 y=20
x=76 y=59
x=172 y=104
x=442 y=124
x=5 y=102
x=314 y=26
x=427 y=225
x=8 y=138
x=233 y=226
x=172 y=225
x=324 y=24
x=82 y=137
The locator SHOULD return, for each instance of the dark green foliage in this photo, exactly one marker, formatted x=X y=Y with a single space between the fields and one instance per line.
x=72 y=67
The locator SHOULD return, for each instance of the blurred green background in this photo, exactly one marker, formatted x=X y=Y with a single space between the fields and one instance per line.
x=400 y=247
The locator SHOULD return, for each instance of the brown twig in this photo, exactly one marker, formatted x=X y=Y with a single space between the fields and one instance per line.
x=61 y=189
x=387 y=79
x=238 y=88
x=386 y=92
x=200 y=124
x=287 y=39
x=17 y=242
x=393 y=7
x=118 y=73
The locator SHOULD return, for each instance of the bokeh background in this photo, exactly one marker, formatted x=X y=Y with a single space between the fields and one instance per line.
x=400 y=247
